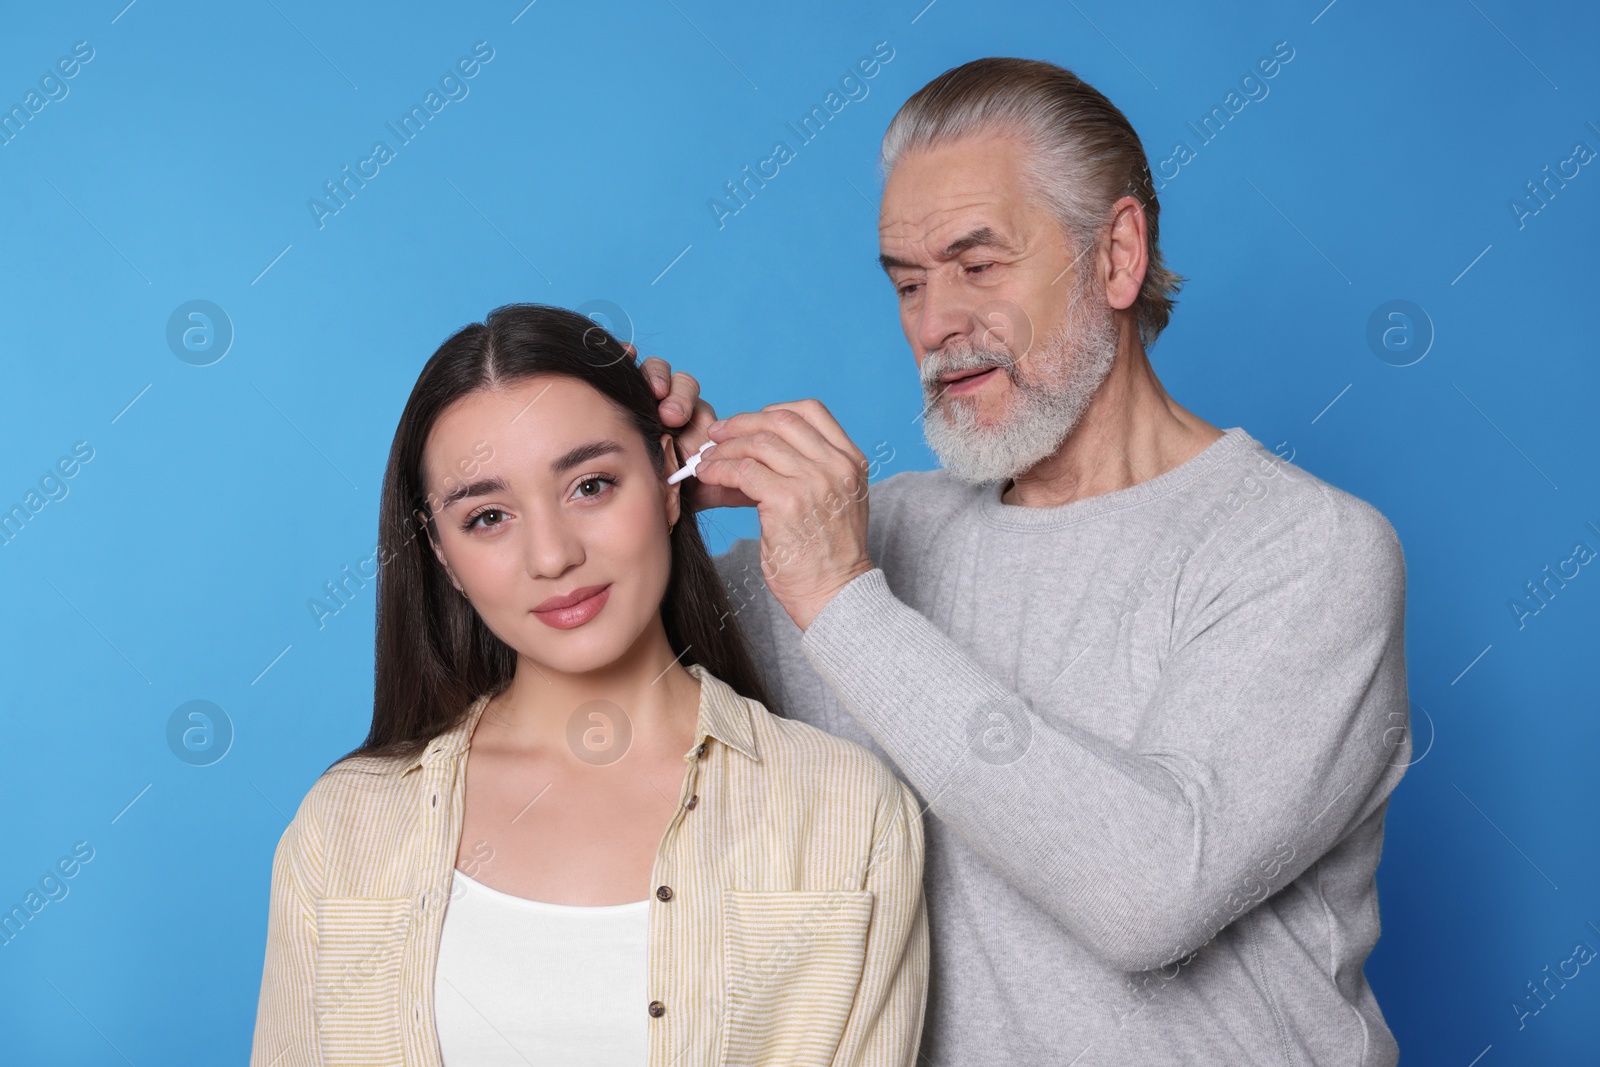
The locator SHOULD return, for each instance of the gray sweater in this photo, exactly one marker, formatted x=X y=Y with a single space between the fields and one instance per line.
x=1155 y=730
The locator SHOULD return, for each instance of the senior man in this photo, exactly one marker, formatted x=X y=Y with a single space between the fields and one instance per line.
x=1147 y=677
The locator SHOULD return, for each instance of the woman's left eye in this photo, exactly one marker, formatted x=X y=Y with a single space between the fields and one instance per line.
x=593 y=486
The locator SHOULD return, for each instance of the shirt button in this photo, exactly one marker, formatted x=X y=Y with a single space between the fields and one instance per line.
x=664 y=892
x=700 y=750
x=436 y=800
x=657 y=1009
x=693 y=801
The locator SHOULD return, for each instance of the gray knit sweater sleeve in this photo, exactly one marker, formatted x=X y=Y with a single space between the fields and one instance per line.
x=1270 y=733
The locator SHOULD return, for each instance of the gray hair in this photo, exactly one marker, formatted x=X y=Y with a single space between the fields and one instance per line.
x=1083 y=154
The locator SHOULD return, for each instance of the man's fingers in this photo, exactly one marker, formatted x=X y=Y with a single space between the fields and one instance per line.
x=820 y=419
x=767 y=447
x=703 y=497
x=692 y=435
x=663 y=383
x=678 y=392
x=657 y=371
x=796 y=426
x=682 y=396
x=748 y=475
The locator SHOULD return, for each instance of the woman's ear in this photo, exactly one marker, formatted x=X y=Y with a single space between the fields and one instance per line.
x=669 y=449
x=674 y=492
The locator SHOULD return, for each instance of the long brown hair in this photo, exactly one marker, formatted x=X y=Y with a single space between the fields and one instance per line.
x=434 y=655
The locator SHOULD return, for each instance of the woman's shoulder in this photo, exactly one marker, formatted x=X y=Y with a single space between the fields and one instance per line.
x=823 y=764
x=784 y=745
x=835 y=793
x=356 y=786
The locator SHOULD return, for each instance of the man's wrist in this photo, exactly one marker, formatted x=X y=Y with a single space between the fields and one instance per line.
x=805 y=612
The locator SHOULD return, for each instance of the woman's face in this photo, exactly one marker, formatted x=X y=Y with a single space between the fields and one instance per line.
x=559 y=536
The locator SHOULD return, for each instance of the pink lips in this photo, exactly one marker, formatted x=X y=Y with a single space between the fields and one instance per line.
x=968 y=381
x=574 y=608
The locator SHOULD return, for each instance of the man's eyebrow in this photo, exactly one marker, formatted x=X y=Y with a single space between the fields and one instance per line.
x=888 y=263
x=982 y=237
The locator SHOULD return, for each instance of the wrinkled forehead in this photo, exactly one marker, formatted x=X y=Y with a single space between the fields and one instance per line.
x=989 y=228
x=935 y=196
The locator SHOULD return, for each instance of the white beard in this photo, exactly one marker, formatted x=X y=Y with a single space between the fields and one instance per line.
x=1045 y=406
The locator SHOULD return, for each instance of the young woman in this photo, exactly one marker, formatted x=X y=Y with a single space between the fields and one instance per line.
x=574 y=833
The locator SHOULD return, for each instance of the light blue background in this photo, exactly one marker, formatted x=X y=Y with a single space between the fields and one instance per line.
x=579 y=168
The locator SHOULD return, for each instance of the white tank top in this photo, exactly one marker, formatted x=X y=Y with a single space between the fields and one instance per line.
x=523 y=981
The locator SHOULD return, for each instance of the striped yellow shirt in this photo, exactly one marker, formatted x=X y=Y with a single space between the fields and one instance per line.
x=788 y=926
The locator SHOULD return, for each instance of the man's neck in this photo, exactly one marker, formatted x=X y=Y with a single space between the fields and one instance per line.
x=1131 y=432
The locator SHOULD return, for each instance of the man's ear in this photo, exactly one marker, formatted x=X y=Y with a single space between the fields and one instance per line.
x=1126 y=253
x=674 y=500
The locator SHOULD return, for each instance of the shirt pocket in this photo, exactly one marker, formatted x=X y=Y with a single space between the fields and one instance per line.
x=792 y=964
x=361 y=942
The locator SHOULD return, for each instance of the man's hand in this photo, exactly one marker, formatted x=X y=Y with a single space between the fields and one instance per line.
x=796 y=466
x=683 y=412
x=809 y=485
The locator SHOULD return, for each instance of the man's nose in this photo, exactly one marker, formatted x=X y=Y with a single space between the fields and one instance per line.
x=946 y=312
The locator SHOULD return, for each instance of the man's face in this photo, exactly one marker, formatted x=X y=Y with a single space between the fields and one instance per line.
x=1009 y=328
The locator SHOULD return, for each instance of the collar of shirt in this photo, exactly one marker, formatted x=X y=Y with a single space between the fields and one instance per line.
x=723 y=715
